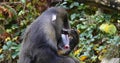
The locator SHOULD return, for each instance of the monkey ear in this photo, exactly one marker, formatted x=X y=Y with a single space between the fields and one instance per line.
x=54 y=17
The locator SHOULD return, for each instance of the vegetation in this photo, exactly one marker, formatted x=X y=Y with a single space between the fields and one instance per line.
x=99 y=31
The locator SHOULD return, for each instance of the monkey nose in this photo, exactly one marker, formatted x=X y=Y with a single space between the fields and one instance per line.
x=66 y=47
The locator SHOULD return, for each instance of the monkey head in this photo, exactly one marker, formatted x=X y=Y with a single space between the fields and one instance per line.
x=59 y=20
x=67 y=38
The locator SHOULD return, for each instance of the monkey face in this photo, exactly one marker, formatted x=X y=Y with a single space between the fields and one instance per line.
x=64 y=43
x=68 y=44
x=65 y=39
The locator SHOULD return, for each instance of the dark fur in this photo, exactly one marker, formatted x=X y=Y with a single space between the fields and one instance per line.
x=74 y=40
x=41 y=37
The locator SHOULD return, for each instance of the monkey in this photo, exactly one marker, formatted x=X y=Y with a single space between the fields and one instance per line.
x=74 y=40
x=41 y=38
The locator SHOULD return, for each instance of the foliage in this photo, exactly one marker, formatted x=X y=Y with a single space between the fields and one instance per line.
x=99 y=32
x=97 y=39
x=10 y=51
x=15 y=16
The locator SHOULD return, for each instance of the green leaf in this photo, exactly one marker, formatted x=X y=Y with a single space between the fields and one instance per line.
x=15 y=54
x=5 y=47
x=101 y=47
x=1 y=56
x=83 y=27
x=9 y=43
x=74 y=4
x=86 y=53
x=94 y=57
x=23 y=1
x=108 y=28
x=9 y=30
x=73 y=16
x=22 y=12
x=14 y=26
x=13 y=47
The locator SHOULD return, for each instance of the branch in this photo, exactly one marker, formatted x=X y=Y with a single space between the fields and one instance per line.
x=10 y=3
x=107 y=5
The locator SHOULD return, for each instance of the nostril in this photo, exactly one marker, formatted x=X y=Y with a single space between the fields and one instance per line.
x=66 y=47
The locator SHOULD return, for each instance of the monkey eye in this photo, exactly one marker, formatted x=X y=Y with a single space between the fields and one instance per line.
x=65 y=32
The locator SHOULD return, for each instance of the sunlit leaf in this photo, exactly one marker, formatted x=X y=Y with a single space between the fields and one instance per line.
x=22 y=12
x=100 y=57
x=1 y=50
x=108 y=28
x=83 y=57
x=7 y=39
x=15 y=38
x=9 y=30
x=77 y=51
